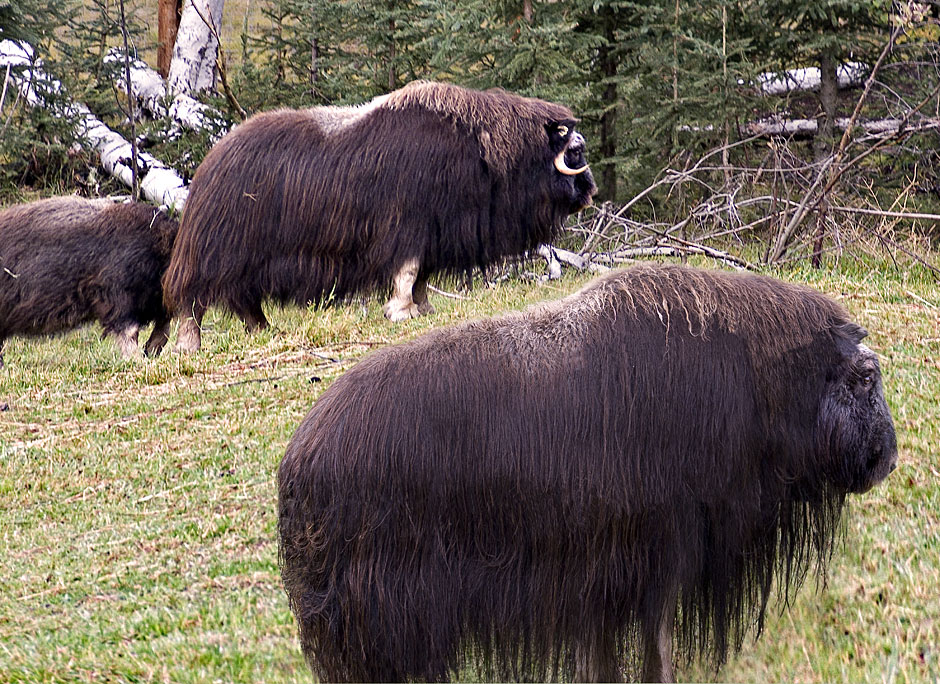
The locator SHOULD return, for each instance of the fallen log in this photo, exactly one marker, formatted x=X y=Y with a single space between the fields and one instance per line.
x=159 y=183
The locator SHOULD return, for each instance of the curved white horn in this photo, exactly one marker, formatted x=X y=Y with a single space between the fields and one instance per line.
x=564 y=168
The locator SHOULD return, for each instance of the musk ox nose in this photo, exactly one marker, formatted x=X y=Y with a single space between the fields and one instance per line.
x=576 y=143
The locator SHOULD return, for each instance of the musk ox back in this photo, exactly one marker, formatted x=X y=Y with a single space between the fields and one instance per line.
x=595 y=480
x=320 y=204
x=65 y=261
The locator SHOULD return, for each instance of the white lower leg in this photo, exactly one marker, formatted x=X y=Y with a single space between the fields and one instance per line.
x=402 y=305
x=127 y=341
x=189 y=337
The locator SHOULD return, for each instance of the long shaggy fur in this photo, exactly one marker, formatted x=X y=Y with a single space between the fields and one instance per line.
x=66 y=261
x=319 y=204
x=509 y=490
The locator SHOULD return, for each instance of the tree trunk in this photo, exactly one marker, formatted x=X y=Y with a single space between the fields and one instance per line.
x=608 y=141
x=822 y=143
x=149 y=90
x=392 y=79
x=168 y=22
x=194 y=55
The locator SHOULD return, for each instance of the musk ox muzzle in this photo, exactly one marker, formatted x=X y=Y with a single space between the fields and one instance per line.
x=575 y=146
x=319 y=205
x=629 y=469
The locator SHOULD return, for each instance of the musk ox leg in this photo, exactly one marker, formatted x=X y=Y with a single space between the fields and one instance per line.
x=126 y=339
x=410 y=294
x=595 y=660
x=1 y=351
x=253 y=318
x=159 y=337
x=419 y=292
x=189 y=335
x=657 y=646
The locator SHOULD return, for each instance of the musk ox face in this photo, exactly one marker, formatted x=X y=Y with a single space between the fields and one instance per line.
x=856 y=425
x=574 y=182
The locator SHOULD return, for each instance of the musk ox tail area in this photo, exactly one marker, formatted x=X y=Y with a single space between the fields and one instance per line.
x=318 y=205
x=581 y=487
x=67 y=261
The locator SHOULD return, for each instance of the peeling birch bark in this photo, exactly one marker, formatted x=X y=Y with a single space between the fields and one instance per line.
x=849 y=75
x=192 y=69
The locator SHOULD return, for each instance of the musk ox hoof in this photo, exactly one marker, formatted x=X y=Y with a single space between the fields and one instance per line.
x=399 y=311
x=397 y=315
x=153 y=348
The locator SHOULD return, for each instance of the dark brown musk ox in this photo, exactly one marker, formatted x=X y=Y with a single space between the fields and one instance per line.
x=577 y=489
x=66 y=261
x=320 y=204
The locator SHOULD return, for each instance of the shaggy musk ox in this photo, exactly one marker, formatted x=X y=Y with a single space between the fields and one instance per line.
x=67 y=260
x=568 y=490
x=317 y=205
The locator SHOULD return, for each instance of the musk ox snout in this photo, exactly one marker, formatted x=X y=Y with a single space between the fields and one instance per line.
x=574 y=174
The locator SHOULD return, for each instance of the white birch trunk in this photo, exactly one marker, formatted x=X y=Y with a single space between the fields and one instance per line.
x=150 y=91
x=159 y=183
x=809 y=127
x=192 y=69
x=849 y=75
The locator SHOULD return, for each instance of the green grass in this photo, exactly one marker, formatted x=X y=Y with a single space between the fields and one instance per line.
x=137 y=499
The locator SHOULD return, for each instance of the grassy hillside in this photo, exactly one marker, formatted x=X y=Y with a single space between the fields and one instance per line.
x=137 y=499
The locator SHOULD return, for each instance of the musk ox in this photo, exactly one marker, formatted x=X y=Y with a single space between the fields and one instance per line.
x=581 y=486
x=317 y=205
x=65 y=261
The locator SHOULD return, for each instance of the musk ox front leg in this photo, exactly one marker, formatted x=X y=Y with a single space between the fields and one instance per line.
x=189 y=335
x=595 y=659
x=657 y=644
x=410 y=296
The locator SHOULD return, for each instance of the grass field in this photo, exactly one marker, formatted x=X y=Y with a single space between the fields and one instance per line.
x=137 y=499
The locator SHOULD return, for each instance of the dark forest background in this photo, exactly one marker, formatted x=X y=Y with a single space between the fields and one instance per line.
x=668 y=92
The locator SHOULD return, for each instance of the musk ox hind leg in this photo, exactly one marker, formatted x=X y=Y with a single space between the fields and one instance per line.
x=595 y=659
x=656 y=632
x=159 y=337
x=252 y=316
x=126 y=339
x=419 y=292
x=410 y=295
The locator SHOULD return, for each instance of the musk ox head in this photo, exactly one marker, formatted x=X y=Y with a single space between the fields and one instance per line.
x=574 y=182
x=855 y=425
